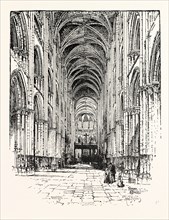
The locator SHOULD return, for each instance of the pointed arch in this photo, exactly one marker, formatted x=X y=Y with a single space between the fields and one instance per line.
x=50 y=82
x=18 y=32
x=38 y=106
x=134 y=87
x=155 y=60
x=18 y=95
x=49 y=118
x=37 y=61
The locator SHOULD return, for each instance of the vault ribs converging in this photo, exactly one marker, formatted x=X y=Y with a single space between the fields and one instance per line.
x=85 y=87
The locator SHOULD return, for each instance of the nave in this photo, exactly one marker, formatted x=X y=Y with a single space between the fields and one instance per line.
x=85 y=87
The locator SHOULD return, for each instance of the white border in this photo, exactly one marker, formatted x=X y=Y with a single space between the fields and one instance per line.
x=16 y=206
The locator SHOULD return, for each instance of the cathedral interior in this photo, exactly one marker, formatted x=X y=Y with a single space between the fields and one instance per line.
x=85 y=87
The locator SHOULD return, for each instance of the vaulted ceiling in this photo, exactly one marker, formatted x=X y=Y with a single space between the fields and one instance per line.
x=84 y=38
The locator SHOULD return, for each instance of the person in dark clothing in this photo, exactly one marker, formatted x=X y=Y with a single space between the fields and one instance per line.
x=121 y=167
x=110 y=173
x=112 y=170
x=120 y=181
x=106 y=176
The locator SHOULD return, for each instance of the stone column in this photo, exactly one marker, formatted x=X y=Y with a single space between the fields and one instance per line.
x=146 y=119
x=23 y=135
x=159 y=116
x=72 y=126
x=98 y=123
x=142 y=92
x=45 y=74
x=126 y=84
x=109 y=82
x=144 y=147
x=130 y=138
x=36 y=137
x=39 y=137
x=54 y=131
x=18 y=130
x=90 y=153
x=132 y=124
x=155 y=124
x=31 y=59
x=22 y=132
x=25 y=138
x=30 y=135
x=29 y=132
x=117 y=87
x=54 y=84
x=59 y=109
x=19 y=137
x=150 y=125
x=45 y=127
x=101 y=121
x=147 y=39
x=64 y=116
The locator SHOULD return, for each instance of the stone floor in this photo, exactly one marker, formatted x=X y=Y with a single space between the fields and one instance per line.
x=84 y=186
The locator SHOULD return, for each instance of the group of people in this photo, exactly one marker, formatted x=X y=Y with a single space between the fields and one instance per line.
x=110 y=175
